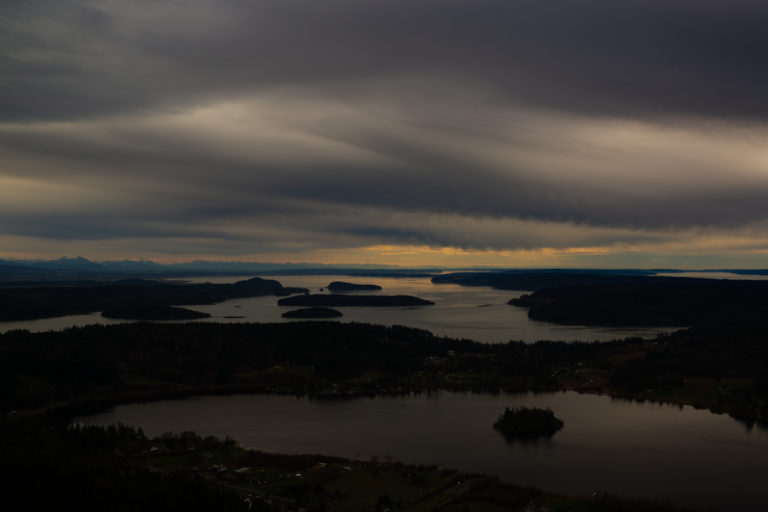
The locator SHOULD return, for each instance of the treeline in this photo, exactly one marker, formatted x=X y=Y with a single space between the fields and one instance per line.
x=37 y=369
x=107 y=364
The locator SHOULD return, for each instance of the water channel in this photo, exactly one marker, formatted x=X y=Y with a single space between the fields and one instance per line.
x=478 y=313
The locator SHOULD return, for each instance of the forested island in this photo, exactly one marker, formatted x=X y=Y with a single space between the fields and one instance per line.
x=341 y=287
x=527 y=423
x=340 y=300
x=652 y=301
x=312 y=313
x=126 y=299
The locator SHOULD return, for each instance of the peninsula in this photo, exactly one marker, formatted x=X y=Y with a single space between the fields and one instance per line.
x=152 y=312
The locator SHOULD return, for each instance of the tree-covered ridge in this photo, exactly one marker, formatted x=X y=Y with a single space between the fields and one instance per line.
x=40 y=368
x=722 y=369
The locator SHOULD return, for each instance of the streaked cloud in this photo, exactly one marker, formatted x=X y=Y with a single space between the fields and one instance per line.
x=462 y=131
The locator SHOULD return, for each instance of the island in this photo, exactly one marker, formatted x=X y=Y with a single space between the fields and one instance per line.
x=339 y=300
x=33 y=302
x=652 y=301
x=151 y=312
x=341 y=287
x=312 y=313
x=528 y=423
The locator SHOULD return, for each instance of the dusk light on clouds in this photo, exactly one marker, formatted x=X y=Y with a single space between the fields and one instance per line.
x=419 y=132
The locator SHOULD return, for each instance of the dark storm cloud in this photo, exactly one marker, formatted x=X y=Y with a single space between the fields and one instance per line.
x=282 y=125
x=274 y=164
x=66 y=59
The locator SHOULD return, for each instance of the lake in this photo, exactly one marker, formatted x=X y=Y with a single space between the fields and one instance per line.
x=686 y=456
x=479 y=313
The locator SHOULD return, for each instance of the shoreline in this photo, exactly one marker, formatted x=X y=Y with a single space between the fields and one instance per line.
x=92 y=406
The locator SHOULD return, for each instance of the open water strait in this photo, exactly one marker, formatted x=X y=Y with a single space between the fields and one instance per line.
x=478 y=313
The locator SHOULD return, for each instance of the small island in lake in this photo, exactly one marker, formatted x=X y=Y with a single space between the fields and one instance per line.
x=151 y=312
x=312 y=313
x=339 y=300
x=524 y=422
x=341 y=286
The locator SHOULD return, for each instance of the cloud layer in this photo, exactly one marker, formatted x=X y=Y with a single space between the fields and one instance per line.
x=295 y=129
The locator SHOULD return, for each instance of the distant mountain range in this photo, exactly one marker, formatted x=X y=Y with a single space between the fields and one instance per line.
x=79 y=268
x=71 y=269
x=81 y=263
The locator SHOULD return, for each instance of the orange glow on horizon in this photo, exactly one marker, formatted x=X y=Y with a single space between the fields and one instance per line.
x=684 y=254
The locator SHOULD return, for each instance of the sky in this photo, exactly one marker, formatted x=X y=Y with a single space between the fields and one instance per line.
x=512 y=133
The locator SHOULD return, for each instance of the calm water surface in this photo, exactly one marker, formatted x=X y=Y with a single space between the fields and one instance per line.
x=690 y=457
x=478 y=313
x=717 y=275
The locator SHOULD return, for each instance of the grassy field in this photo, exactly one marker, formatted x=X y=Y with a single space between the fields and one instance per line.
x=300 y=482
